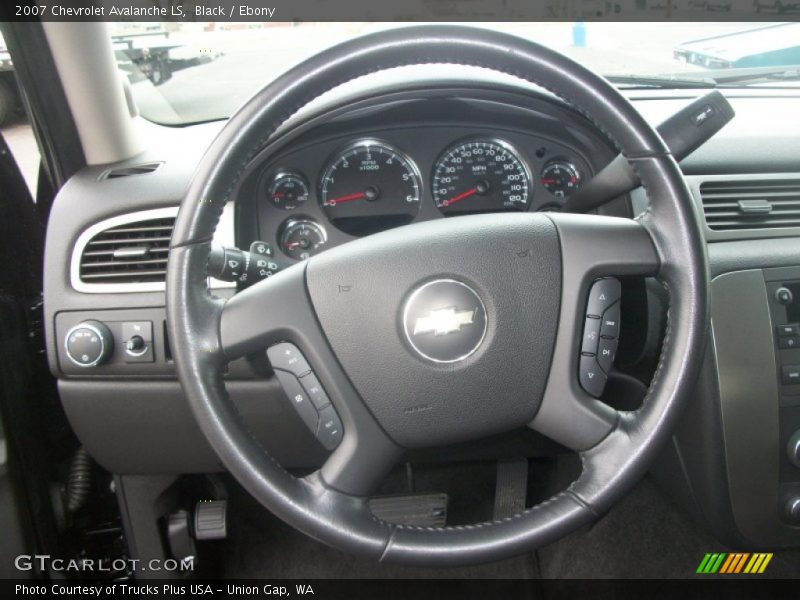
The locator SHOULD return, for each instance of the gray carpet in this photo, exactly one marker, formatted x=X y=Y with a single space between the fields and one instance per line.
x=644 y=536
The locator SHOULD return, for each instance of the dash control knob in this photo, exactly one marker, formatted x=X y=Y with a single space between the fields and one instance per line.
x=784 y=295
x=89 y=344
x=792 y=510
x=793 y=449
x=135 y=345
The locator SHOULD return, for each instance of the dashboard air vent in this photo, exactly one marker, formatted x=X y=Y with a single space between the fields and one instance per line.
x=142 y=169
x=751 y=204
x=134 y=252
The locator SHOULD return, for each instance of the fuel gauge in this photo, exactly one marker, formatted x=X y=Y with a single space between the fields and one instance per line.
x=302 y=238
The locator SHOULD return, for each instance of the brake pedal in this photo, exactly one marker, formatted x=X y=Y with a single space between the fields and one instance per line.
x=421 y=510
x=512 y=487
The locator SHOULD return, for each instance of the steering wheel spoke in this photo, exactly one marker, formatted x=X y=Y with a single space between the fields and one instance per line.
x=592 y=247
x=278 y=313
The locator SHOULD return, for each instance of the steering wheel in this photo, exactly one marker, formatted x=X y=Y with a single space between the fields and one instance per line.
x=519 y=283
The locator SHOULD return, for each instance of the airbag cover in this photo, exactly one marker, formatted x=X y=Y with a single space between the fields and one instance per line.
x=361 y=293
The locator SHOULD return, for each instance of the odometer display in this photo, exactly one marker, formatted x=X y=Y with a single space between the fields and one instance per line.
x=481 y=176
x=370 y=186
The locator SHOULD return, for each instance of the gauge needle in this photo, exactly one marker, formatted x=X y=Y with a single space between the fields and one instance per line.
x=348 y=198
x=461 y=196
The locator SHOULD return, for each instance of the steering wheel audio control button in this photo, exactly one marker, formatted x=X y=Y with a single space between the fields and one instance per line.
x=299 y=399
x=606 y=352
x=329 y=430
x=603 y=294
x=609 y=326
x=592 y=378
x=313 y=388
x=287 y=357
x=591 y=335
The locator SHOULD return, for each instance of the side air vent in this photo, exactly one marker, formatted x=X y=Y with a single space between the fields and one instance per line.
x=134 y=252
x=749 y=204
x=128 y=253
x=142 y=169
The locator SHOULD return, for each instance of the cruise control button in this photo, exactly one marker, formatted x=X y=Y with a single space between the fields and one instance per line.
x=314 y=389
x=287 y=357
x=791 y=374
x=609 y=324
x=789 y=342
x=603 y=294
x=591 y=333
x=329 y=432
x=606 y=351
x=299 y=399
x=591 y=376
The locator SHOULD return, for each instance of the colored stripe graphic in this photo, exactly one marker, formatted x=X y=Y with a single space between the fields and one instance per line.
x=729 y=563
x=711 y=563
x=734 y=563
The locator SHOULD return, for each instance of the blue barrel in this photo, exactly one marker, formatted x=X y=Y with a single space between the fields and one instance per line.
x=579 y=34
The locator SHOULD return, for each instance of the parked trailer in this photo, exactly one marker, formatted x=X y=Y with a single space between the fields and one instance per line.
x=770 y=46
x=145 y=54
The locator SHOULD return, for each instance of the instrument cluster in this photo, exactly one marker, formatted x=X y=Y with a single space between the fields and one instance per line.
x=369 y=184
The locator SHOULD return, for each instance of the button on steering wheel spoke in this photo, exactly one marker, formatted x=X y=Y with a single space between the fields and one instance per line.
x=594 y=251
x=311 y=377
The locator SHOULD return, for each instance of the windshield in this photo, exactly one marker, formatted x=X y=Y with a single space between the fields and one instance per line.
x=190 y=72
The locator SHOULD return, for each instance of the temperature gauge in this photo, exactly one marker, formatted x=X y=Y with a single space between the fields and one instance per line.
x=302 y=238
x=287 y=190
x=561 y=178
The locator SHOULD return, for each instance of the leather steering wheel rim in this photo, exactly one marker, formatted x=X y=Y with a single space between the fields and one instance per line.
x=330 y=505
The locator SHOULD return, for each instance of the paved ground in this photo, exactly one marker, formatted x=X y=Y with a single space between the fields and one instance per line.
x=253 y=57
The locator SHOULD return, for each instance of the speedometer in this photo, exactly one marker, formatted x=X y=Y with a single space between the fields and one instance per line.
x=370 y=186
x=481 y=175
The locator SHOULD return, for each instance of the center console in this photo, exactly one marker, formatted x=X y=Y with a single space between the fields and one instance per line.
x=751 y=408
x=783 y=292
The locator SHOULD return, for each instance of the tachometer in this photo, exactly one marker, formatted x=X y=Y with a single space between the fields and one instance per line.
x=370 y=186
x=481 y=176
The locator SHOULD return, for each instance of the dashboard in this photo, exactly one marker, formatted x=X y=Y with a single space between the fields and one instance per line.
x=380 y=157
x=408 y=159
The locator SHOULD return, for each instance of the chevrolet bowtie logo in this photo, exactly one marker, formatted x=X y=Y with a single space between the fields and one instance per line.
x=444 y=321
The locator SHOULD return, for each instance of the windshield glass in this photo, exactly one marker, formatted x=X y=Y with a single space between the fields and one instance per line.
x=189 y=72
